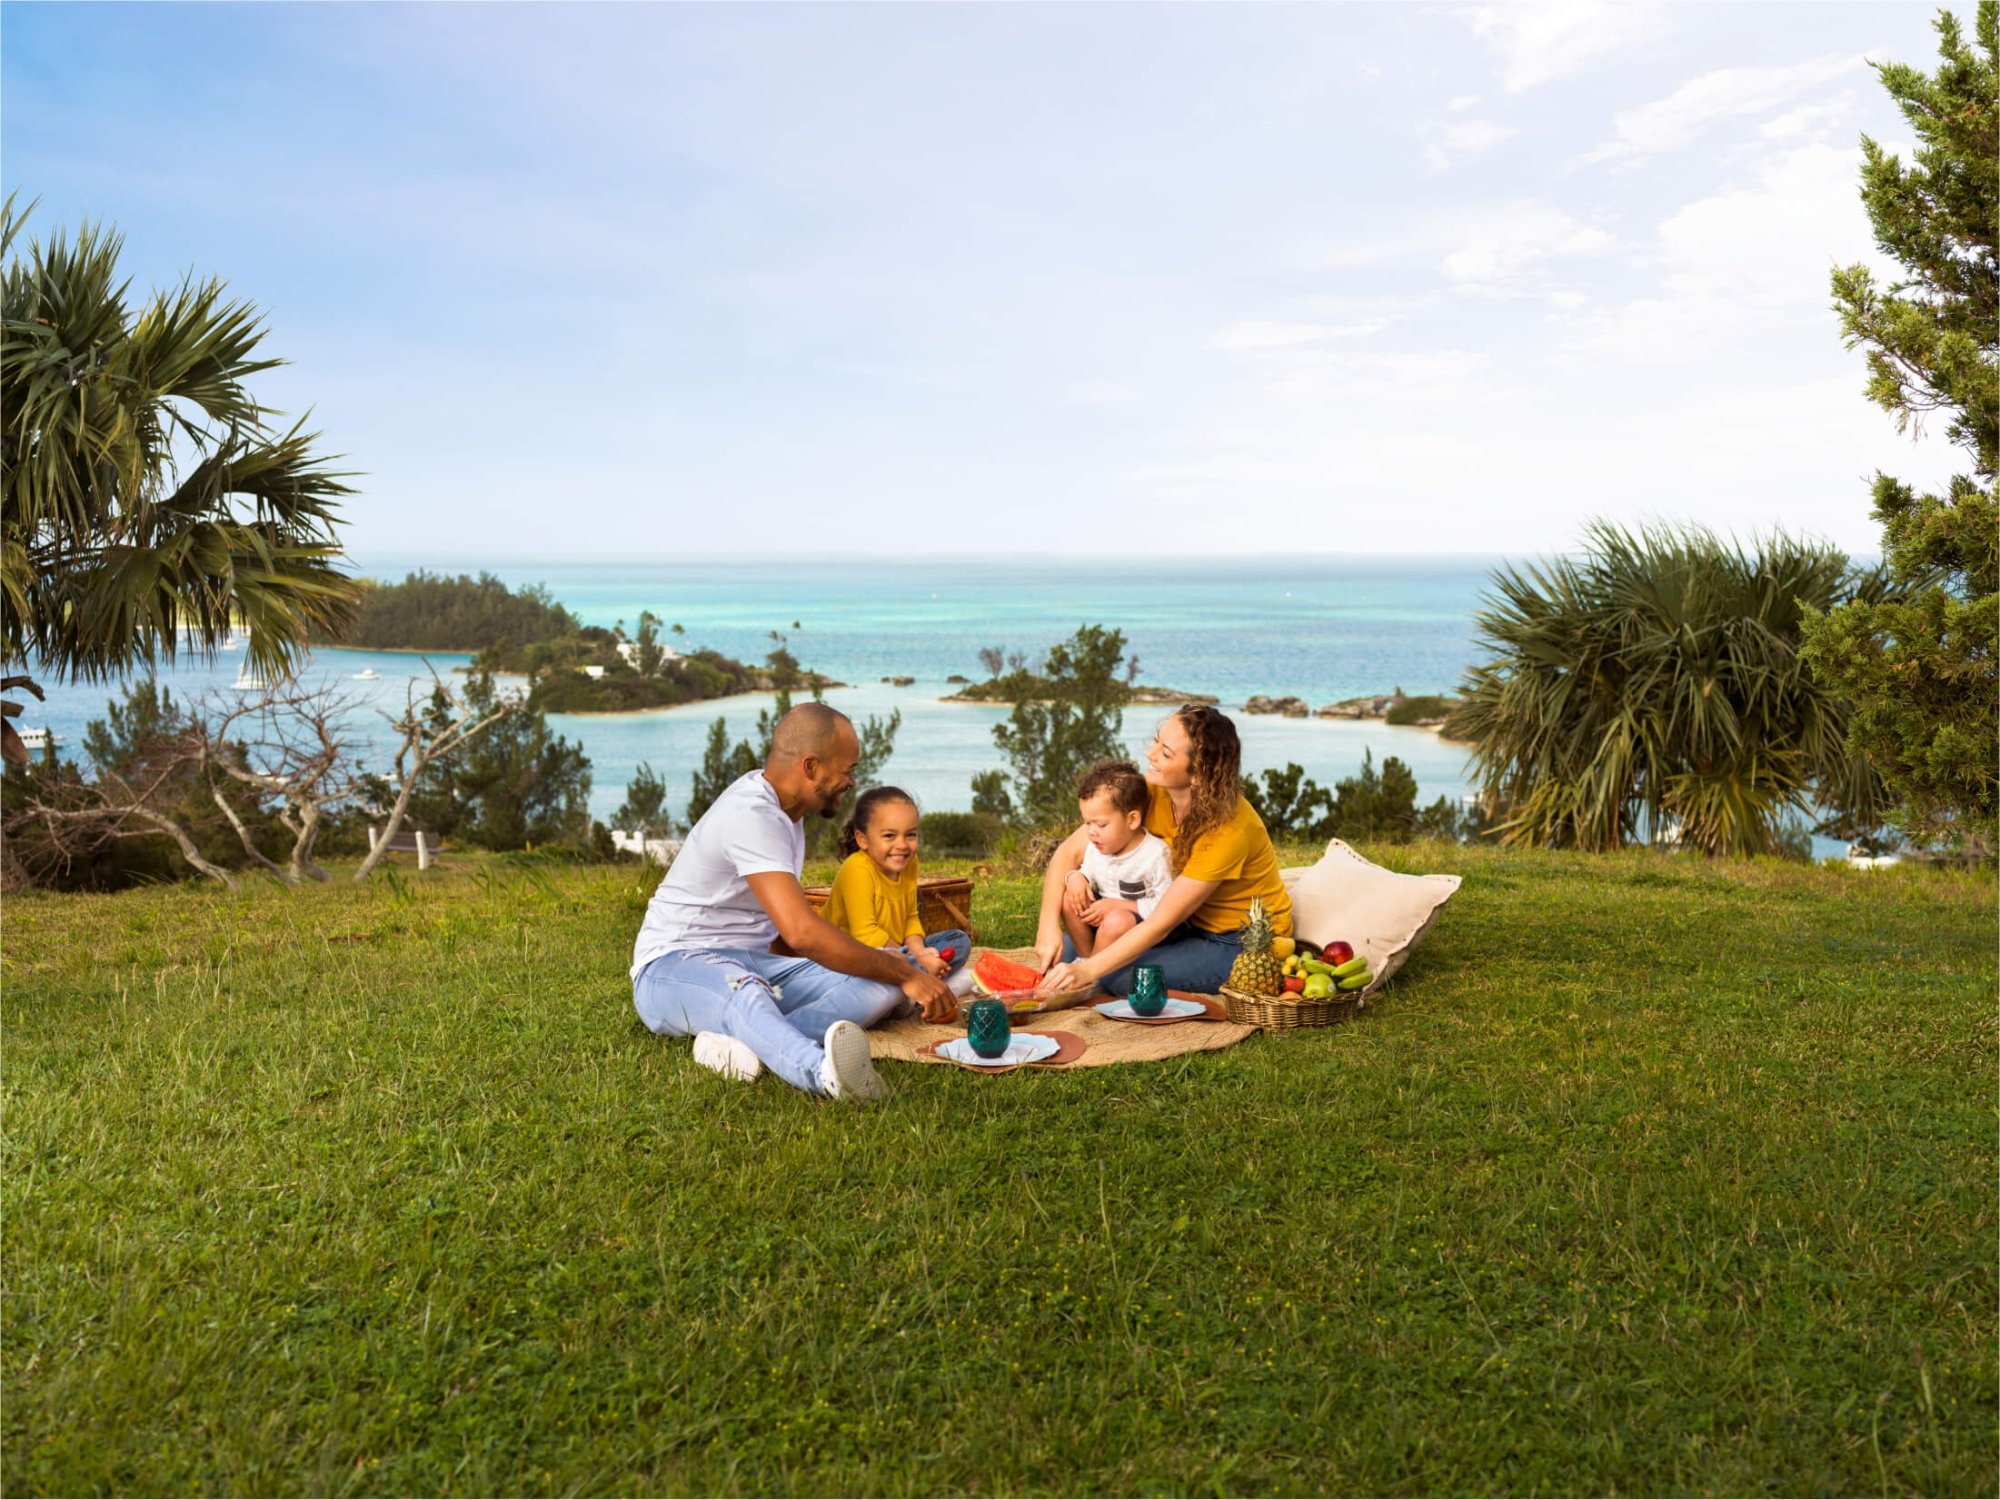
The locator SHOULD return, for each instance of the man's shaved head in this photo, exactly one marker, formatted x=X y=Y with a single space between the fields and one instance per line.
x=809 y=729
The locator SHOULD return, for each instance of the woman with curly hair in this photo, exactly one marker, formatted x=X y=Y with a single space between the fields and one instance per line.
x=1221 y=856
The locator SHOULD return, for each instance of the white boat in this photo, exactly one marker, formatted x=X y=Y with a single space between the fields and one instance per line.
x=367 y=674
x=236 y=640
x=35 y=737
x=249 y=680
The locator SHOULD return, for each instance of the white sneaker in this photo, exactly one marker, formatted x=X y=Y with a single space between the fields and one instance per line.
x=726 y=1055
x=849 y=1072
x=961 y=983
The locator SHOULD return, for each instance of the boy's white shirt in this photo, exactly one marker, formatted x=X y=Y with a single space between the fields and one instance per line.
x=1141 y=873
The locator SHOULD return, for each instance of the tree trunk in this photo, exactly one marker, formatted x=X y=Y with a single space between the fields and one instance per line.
x=243 y=835
x=395 y=822
x=191 y=854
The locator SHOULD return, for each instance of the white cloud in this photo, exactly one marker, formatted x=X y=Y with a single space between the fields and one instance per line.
x=1504 y=251
x=1811 y=122
x=1496 y=248
x=1256 y=334
x=1738 y=265
x=1461 y=140
x=1551 y=39
x=1098 y=393
x=1723 y=94
x=1462 y=102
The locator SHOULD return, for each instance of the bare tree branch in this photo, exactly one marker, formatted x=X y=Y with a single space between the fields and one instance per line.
x=425 y=741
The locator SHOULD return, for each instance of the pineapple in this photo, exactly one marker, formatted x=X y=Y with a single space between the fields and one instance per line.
x=1257 y=970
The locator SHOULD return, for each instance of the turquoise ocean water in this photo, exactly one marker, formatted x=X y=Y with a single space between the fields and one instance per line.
x=1322 y=630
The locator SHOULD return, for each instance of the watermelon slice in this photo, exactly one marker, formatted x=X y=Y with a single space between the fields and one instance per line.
x=1001 y=976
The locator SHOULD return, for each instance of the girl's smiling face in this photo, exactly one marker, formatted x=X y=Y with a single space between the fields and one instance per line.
x=1167 y=756
x=890 y=839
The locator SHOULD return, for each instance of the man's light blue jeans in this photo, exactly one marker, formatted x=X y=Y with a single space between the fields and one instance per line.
x=778 y=1007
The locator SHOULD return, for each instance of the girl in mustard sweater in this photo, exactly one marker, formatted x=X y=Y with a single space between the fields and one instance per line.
x=875 y=892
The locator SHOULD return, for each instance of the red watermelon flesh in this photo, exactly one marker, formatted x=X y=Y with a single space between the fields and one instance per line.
x=1005 y=977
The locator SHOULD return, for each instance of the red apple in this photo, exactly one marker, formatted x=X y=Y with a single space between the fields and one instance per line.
x=1293 y=984
x=1338 y=953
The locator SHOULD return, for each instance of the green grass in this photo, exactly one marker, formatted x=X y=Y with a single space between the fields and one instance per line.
x=1645 y=1176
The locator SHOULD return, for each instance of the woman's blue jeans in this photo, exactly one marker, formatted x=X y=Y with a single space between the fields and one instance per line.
x=1192 y=957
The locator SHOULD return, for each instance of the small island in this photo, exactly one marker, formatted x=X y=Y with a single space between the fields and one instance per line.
x=1026 y=687
x=1426 y=711
x=572 y=668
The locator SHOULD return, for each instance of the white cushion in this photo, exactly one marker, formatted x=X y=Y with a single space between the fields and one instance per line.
x=1383 y=914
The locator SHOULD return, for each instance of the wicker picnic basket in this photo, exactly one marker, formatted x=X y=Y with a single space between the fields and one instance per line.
x=943 y=902
x=1288 y=1012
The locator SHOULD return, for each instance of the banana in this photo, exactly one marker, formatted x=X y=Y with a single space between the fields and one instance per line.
x=1355 y=965
x=1315 y=966
x=1353 y=982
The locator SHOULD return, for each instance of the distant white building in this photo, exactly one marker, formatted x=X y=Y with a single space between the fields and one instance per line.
x=630 y=651
x=659 y=851
x=592 y=672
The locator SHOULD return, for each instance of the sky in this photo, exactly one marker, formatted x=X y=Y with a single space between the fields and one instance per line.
x=1069 y=280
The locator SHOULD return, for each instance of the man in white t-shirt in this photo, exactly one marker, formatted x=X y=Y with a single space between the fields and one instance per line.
x=704 y=963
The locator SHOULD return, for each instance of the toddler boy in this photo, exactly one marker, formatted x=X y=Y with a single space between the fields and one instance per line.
x=1125 y=869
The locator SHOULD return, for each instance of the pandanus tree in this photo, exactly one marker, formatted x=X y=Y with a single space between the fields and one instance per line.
x=150 y=506
x=1652 y=688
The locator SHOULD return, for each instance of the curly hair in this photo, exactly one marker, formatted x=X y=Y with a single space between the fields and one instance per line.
x=864 y=810
x=1215 y=767
x=1118 y=777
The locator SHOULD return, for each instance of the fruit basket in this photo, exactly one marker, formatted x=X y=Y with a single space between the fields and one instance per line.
x=1288 y=1012
x=1253 y=993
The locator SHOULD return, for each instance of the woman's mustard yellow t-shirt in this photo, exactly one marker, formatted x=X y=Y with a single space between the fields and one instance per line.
x=1238 y=857
x=873 y=907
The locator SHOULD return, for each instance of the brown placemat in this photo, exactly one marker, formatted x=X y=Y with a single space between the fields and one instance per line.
x=1106 y=1041
x=1069 y=1047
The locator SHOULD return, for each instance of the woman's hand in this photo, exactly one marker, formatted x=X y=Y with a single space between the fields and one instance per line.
x=1047 y=950
x=1070 y=976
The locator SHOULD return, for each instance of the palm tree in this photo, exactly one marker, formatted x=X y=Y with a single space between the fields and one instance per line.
x=149 y=508
x=1653 y=687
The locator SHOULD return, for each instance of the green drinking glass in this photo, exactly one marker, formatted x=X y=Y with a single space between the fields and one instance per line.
x=986 y=1028
x=1149 y=990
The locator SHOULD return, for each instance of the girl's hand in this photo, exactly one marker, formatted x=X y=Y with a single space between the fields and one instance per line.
x=1077 y=894
x=929 y=960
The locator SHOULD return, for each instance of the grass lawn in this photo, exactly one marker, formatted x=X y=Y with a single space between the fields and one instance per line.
x=1645 y=1176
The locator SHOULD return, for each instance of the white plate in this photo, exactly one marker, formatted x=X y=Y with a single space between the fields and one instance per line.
x=1176 y=1010
x=1022 y=1047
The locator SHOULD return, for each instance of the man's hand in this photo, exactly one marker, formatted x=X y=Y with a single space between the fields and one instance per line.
x=1078 y=894
x=928 y=994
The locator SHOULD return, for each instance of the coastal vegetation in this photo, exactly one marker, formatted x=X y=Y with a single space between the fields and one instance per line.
x=572 y=668
x=1652 y=689
x=383 y=1189
x=150 y=507
x=434 y=612
x=1071 y=722
x=1918 y=662
x=1371 y=806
